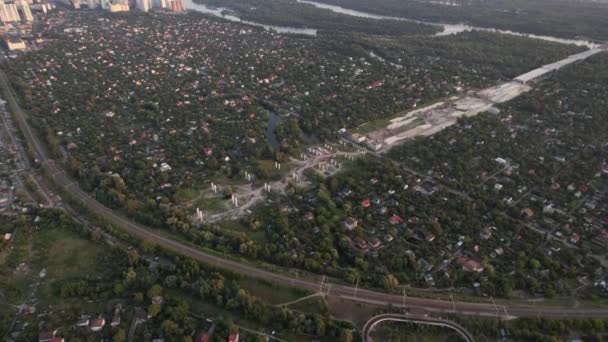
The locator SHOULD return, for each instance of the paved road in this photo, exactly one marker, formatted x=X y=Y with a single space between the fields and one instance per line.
x=335 y=291
x=372 y=322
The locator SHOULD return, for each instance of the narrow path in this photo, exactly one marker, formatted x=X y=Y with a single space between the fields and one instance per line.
x=314 y=295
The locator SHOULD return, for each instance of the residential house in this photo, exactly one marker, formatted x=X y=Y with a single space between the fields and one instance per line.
x=97 y=324
x=46 y=336
x=601 y=239
x=485 y=233
x=395 y=219
x=426 y=235
x=115 y=320
x=375 y=243
x=83 y=322
x=202 y=336
x=469 y=265
x=309 y=216
x=527 y=213
x=575 y=238
x=350 y=223
x=233 y=337
x=388 y=238
x=361 y=243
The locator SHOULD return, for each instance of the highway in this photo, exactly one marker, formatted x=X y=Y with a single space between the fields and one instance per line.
x=372 y=322
x=330 y=290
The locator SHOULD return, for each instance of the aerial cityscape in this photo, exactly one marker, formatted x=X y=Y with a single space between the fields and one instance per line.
x=296 y=170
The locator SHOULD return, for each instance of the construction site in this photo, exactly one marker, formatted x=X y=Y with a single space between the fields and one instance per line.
x=438 y=116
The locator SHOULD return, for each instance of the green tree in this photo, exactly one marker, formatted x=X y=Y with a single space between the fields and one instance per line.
x=154 y=310
x=390 y=282
x=120 y=336
x=155 y=291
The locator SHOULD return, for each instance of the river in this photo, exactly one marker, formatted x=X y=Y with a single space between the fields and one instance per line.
x=448 y=29
x=219 y=12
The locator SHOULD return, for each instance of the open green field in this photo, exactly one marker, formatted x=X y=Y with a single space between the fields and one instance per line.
x=313 y=306
x=64 y=255
x=270 y=293
x=41 y=258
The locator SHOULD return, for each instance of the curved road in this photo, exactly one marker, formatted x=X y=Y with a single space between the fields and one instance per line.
x=335 y=291
x=372 y=322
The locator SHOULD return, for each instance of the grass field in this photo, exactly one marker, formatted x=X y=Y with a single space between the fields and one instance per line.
x=373 y=126
x=311 y=306
x=270 y=293
x=273 y=173
x=62 y=254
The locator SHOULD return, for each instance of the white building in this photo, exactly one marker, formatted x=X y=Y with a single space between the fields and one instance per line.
x=27 y=12
x=9 y=13
x=15 y=44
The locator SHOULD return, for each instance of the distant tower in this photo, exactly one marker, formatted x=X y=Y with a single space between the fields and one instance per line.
x=76 y=4
x=9 y=13
x=144 y=5
x=27 y=12
x=176 y=5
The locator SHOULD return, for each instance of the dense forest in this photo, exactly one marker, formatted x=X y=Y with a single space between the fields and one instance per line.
x=118 y=282
x=153 y=107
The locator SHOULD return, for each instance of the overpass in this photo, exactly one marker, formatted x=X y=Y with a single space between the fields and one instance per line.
x=392 y=317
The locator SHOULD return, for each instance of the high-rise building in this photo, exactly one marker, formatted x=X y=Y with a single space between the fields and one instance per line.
x=144 y=5
x=159 y=3
x=93 y=4
x=176 y=5
x=27 y=12
x=9 y=13
x=115 y=5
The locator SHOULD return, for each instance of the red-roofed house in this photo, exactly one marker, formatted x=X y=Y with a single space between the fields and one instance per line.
x=575 y=238
x=201 y=337
x=469 y=265
x=395 y=219
x=527 y=212
x=97 y=324
x=366 y=203
x=46 y=336
x=233 y=338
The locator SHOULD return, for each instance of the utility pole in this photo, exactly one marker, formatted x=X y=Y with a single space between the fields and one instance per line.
x=322 y=281
x=453 y=303
x=495 y=306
